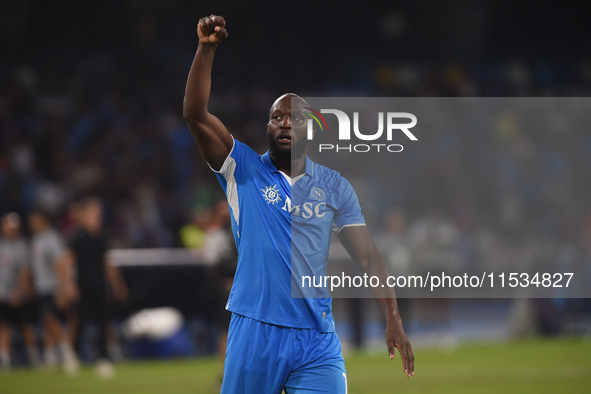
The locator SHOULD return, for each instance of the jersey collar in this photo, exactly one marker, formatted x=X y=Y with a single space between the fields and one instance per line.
x=266 y=158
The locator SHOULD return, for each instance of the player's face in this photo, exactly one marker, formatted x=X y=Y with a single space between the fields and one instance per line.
x=37 y=223
x=286 y=130
x=9 y=229
x=92 y=216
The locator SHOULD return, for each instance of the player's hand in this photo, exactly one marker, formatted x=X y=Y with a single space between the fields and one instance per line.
x=61 y=300
x=71 y=293
x=121 y=293
x=396 y=339
x=212 y=30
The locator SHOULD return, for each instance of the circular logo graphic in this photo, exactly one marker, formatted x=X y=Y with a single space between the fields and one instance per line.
x=271 y=194
x=318 y=194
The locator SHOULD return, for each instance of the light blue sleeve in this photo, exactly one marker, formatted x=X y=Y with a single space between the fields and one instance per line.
x=233 y=173
x=237 y=162
x=349 y=212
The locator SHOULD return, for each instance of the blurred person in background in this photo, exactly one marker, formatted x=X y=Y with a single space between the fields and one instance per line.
x=88 y=254
x=210 y=234
x=220 y=252
x=68 y=227
x=193 y=234
x=218 y=244
x=394 y=246
x=14 y=289
x=54 y=289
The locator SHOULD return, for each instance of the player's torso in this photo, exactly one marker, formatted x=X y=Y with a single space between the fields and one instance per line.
x=277 y=211
x=90 y=254
x=274 y=214
x=9 y=257
x=42 y=261
x=314 y=204
x=90 y=250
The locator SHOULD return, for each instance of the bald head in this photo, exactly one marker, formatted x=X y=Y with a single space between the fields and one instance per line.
x=288 y=96
x=10 y=224
x=12 y=219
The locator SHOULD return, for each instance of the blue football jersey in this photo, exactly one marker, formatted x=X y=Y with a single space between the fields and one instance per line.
x=275 y=232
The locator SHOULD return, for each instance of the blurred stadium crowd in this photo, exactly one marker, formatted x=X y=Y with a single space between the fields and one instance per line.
x=96 y=109
x=116 y=132
x=90 y=111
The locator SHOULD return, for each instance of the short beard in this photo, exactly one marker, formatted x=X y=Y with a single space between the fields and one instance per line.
x=296 y=151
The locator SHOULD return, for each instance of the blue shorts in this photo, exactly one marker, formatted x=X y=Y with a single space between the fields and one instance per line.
x=263 y=358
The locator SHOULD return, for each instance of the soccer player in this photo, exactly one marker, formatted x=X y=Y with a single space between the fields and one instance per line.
x=14 y=274
x=277 y=342
x=88 y=253
x=54 y=289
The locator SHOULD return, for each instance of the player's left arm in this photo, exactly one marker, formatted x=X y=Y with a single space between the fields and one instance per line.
x=65 y=265
x=116 y=281
x=358 y=243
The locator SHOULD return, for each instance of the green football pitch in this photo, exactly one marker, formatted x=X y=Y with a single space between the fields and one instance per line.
x=533 y=366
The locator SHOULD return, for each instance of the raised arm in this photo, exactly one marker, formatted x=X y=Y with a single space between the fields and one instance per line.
x=214 y=140
x=358 y=243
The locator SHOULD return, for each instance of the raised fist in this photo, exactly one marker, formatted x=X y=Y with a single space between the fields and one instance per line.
x=212 y=30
